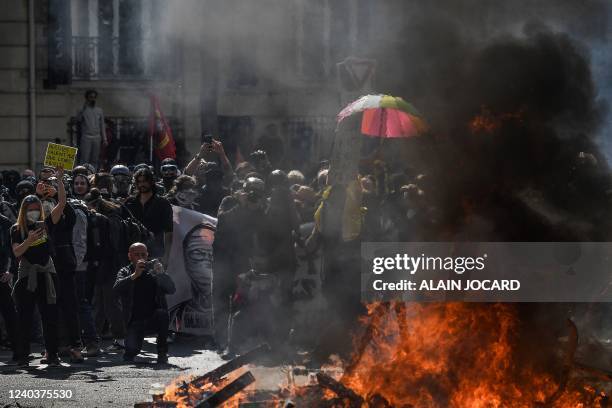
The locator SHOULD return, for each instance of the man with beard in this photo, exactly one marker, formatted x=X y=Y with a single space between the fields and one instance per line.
x=122 y=179
x=153 y=211
x=93 y=130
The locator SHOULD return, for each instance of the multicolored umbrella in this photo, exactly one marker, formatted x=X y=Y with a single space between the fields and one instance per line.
x=385 y=116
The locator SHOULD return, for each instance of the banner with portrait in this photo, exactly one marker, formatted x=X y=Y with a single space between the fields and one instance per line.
x=190 y=266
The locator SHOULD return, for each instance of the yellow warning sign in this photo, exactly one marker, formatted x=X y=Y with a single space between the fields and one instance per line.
x=60 y=156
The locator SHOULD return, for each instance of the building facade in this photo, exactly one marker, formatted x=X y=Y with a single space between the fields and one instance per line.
x=260 y=73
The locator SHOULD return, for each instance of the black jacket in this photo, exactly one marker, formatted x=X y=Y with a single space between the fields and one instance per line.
x=61 y=239
x=6 y=252
x=124 y=286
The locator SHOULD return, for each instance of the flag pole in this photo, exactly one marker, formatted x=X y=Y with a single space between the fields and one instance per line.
x=151 y=148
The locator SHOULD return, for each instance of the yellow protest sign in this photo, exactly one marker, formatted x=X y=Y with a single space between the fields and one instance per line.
x=60 y=155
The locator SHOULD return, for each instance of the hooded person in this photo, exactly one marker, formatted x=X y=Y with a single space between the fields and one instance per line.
x=10 y=178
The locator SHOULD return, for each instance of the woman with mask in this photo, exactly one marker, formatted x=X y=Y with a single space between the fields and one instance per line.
x=37 y=280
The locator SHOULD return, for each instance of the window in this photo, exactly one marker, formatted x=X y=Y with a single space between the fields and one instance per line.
x=101 y=39
x=327 y=33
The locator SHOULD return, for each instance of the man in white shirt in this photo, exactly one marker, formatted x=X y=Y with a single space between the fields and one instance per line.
x=93 y=130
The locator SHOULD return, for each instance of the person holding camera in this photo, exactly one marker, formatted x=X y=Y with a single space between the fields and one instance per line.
x=37 y=278
x=211 y=150
x=144 y=285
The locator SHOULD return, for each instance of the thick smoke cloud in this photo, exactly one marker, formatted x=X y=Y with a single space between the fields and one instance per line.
x=527 y=65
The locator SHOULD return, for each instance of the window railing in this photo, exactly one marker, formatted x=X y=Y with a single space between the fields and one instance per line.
x=95 y=58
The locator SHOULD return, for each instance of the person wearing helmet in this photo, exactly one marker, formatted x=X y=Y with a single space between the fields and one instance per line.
x=122 y=179
x=169 y=172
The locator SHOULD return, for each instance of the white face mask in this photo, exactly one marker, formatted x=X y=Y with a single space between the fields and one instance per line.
x=186 y=197
x=33 y=215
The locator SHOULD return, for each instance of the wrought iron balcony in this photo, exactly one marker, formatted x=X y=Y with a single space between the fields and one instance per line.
x=108 y=58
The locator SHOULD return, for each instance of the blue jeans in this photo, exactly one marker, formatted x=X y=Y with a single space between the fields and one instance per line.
x=158 y=323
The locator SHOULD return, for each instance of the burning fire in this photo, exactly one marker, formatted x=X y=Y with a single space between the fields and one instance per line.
x=488 y=122
x=452 y=355
x=434 y=355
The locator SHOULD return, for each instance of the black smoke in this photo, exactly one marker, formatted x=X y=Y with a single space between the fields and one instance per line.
x=539 y=174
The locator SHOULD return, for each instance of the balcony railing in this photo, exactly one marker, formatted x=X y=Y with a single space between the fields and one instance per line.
x=94 y=58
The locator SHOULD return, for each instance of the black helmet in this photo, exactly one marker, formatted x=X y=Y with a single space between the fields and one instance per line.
x=278 y=178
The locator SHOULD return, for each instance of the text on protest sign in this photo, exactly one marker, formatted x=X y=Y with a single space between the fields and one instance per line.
x=60 y=156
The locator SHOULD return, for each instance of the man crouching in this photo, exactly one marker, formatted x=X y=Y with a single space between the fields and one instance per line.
x=143 y=286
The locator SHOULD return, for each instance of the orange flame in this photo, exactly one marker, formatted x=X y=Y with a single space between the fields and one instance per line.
x=452 y=355
x=489 y=122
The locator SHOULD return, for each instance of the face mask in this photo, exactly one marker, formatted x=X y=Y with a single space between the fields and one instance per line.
x=186 y=197
x=33 y=216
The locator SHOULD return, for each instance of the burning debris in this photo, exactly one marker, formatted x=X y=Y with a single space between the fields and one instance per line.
x=419 y=355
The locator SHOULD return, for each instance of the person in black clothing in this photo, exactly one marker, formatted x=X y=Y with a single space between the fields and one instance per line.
x=183 y=193
x=169 y=173
x=154 y=212
x=65 y=262
x=213 y=192
x=240 y=219
x=37 y=279
x=7 y=306
x=144 y=286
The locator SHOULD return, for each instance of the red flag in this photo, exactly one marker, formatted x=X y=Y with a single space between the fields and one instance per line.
x=160 y=132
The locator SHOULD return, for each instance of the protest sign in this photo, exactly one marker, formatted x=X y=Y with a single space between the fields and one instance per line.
x=60 y=156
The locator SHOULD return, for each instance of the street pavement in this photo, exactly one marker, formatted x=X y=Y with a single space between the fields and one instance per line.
x=104 y=381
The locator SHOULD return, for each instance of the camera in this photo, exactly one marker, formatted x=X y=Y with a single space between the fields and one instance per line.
x=149 y=265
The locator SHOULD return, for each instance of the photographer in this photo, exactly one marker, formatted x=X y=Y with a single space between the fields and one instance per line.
x=210 y=151
x=144 y=285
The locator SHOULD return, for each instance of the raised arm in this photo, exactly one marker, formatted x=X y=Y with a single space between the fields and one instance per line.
x=58 y=210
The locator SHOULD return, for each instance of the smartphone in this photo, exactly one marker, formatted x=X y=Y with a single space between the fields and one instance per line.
x=39 y=225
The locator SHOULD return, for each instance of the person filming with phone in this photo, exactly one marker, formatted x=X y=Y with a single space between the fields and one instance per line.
x=37 y=277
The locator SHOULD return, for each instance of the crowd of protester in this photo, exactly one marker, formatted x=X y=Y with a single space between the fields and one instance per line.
x=84 y=252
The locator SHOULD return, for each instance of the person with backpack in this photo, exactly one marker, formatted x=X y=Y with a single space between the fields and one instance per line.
x=85 y=237
x=104 y=259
